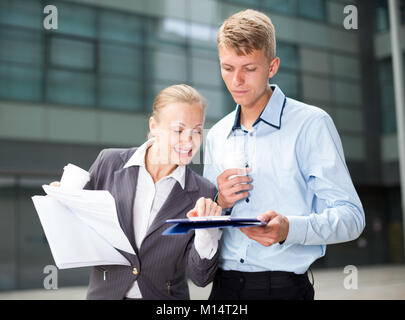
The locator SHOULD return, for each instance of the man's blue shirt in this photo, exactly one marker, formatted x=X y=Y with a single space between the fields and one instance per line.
x=299 y=171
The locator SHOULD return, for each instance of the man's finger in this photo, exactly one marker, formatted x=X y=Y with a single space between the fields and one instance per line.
x=267 y=216
x=236 y=181
x=231 y=172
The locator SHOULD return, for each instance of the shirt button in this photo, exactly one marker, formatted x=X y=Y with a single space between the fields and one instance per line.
x=135 y=271
x=242 y=261
x=247 y=200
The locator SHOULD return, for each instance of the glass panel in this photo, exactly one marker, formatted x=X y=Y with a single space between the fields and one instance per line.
x=121 y=60
x=205 y=71
x=26 y=13
x=345 y=66
x=21 y=46
x=8 y=256
x=313 y=9
x=288 y=83
x=347 y=92
x=288 y=55
x=166 y=30
x=76 y=19
x=248 y=2
x=353 y=146
x=72 y=53
x=121 y=27
x=382 y=21
x=216 y=103
x=387 y=98
x=20 y=83
x=75 y=88
x=121 y=94
x=168 y=65
x=283 y=6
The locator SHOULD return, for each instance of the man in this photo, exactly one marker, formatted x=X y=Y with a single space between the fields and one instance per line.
x=298 y=181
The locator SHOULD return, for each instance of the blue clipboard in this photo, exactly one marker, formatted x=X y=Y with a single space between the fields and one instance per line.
x=182 y=226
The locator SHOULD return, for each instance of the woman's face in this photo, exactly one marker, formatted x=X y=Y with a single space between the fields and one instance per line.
x=178 y=132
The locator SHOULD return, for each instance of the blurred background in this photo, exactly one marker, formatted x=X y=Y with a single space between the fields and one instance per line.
x=66 y=94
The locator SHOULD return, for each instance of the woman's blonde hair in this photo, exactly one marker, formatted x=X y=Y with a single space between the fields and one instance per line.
x=246 y=31
x=179 y=93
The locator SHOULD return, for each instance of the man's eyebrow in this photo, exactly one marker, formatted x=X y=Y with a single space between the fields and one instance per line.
x=246 y=64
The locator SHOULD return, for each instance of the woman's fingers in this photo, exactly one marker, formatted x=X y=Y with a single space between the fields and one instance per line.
x=200 y=206
x=192 y=213
x=55 y=184
x=208 y=207
x=205 y=207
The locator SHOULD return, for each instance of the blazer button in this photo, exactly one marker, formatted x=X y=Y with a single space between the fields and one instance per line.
x=135 y=271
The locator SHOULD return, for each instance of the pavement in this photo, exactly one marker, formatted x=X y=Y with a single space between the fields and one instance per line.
x=385 y=282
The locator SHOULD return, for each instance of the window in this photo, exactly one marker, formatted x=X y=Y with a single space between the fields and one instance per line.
x=387 y=99
x=382 y=22
x=70 y=87
x=312 y=9
x=71 y=53
x=287 y=78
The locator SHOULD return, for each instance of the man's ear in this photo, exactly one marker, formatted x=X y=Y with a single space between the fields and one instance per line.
x=274 y=65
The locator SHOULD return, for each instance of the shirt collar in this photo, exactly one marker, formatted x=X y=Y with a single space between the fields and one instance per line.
x=138 y=159
x=271 y=114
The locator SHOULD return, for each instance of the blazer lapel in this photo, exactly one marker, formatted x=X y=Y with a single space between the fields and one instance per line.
x=124 y=189
x=175 y=204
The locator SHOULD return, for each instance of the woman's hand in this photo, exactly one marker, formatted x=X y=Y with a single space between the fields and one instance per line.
x=206 y=240
x=205 y=207
x=55 y=184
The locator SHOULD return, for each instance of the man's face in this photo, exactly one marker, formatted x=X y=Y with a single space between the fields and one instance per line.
x=246 y=76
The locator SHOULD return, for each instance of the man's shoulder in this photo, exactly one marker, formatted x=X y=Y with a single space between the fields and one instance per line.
x=223 y=126
x=302 y=111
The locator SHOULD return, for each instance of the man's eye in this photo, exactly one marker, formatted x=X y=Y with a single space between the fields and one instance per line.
x=251 y=69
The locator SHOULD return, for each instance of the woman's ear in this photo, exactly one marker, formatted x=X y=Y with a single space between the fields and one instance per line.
x=152 y=126
x=273 y=68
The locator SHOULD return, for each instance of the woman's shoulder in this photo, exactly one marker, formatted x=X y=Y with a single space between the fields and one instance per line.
x=116 y=154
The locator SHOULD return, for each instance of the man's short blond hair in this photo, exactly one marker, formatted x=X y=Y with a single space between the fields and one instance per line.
x=246 y=31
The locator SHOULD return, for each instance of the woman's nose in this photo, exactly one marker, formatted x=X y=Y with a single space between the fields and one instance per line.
x=186 y=136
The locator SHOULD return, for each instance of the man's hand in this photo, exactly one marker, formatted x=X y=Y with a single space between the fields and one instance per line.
x=274 y=231
x=228 y=188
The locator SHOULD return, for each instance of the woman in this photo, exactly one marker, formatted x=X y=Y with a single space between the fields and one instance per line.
x=150 y=184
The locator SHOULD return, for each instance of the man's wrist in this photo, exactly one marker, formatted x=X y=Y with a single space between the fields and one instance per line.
x=287 y=227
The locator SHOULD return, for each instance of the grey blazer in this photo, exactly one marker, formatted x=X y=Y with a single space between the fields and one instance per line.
x=163 y=263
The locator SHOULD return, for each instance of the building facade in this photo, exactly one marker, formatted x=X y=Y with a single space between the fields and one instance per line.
x=67 y=93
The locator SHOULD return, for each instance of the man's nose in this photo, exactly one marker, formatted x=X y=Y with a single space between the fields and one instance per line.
x=238 y=77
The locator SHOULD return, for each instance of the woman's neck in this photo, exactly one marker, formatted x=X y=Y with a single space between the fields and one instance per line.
x=157 y=166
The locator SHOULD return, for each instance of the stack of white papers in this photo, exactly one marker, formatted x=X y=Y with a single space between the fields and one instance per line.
x=82 y=227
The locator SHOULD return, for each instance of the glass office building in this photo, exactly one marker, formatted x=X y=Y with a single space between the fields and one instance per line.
x=65 y=94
